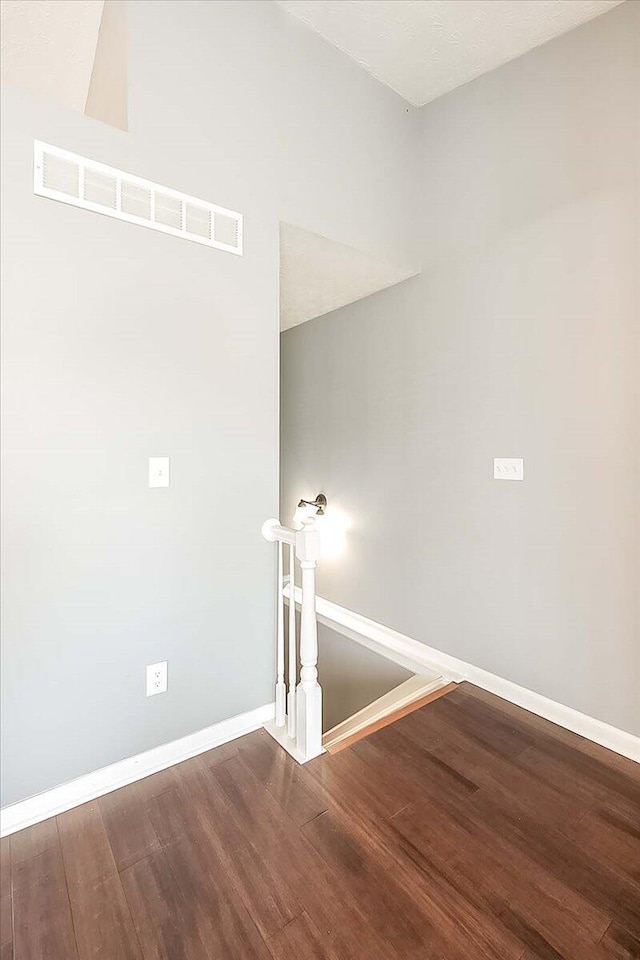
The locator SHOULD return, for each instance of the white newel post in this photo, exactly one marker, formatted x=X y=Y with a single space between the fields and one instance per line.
x=309 y=692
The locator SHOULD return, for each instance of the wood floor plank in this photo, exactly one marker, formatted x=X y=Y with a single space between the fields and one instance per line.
x=86 y=850
x=262 y=821
x=6 y=919
x=511 y=778
x=618 y=943
x=102 y=921
x=101 y=917
x=324 y=895
x=285 y=781
x=169 y=816
x=42 y=924
x=485 y=859
x=131 y=834
x=344 y=780
x=490 y=729
x=398 y=902
x=167 y=924
x=532 y=932
x=613 y=838
x=607 y=889
x=245 y=795
x=155 y=785
x=301 y=940
x=415 y=772
x=207 y=816
x=33 y=841
x=588 y=781
x=544 y=729
x=224 y=923
x=452 y=743
x=498 y=882
x=226 y=751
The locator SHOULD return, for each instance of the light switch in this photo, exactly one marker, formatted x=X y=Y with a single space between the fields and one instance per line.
x=158 y=471
x=508 y=468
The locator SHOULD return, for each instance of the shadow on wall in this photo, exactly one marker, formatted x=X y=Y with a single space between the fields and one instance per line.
x=351 y=676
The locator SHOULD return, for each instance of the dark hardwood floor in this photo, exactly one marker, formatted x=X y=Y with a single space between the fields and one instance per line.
x=469 y=829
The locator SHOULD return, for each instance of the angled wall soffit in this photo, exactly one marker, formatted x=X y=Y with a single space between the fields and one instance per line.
x=73 y=52
x=49 y=46
x=318 y=275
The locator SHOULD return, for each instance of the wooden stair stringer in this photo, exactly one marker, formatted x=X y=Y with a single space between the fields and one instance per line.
x=402 y=700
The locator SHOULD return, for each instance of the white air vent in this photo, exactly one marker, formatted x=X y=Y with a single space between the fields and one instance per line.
x=100 y=189
x=64 y=176
x=59 y=175
x=199 y=221
x=135 y=200
x=168 y=210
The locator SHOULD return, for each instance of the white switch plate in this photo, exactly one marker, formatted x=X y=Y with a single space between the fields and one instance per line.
x=508 y=468
x=158 y=471
x=157 y=679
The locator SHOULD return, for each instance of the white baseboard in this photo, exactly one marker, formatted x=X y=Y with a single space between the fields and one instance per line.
x=417 y=656
x=17 y=816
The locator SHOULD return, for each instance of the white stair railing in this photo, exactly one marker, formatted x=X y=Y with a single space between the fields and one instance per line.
x=280 y=686
x=298 y=720
x=293 y=650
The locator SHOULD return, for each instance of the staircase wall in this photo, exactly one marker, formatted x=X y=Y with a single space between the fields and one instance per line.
x=519 y=339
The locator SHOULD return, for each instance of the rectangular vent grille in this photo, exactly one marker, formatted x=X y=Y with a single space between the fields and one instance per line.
x=65 y=176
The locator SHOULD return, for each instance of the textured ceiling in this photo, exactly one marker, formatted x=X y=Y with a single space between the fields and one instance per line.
x=48 y=47
x=319 y=275
x=425 y=48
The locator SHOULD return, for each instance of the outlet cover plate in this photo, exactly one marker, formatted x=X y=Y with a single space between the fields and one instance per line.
x=158 y=471
x=157 y=678
x=508 y=468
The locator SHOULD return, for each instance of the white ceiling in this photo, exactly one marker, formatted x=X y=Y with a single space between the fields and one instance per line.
x=318 y=275
x=425 y=48
x=48 y=47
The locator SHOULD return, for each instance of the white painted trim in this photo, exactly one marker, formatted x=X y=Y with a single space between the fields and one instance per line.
x=403 y=650
x=407 y=692
x=281 y=736
x=17 y=816
x=417 y=656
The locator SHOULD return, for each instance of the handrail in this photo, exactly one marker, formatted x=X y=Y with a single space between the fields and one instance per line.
x=273 y=530
x=407 y=652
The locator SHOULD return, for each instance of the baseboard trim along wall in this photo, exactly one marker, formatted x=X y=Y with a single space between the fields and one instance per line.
x=417 y=657
x=395 y=646
x=25 y=813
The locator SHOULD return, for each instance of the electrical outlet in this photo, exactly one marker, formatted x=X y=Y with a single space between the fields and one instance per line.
x=158 y=471
x=157 y=681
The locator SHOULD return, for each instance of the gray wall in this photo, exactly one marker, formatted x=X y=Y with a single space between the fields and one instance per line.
x=352 y=677
x=121 y=343
x=520 y=338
